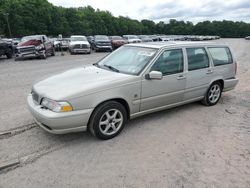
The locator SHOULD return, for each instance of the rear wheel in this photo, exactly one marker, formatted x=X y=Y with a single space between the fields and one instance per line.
x=213 y=94
x=108 y=120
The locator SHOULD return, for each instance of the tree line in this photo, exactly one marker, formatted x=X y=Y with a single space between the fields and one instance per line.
x=28 y=17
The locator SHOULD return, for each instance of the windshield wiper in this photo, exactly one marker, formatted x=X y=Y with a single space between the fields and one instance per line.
x=111 y=68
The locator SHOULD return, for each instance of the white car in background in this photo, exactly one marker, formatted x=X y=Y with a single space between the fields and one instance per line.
x=79 y=44
x=132 y=38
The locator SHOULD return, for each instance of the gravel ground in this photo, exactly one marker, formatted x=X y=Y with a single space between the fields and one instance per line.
x=188 y=146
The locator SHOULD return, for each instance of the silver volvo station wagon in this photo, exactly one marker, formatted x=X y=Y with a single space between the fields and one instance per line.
x=134 y=80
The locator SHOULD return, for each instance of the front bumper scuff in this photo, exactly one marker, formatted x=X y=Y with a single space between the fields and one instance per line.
x=59 y=123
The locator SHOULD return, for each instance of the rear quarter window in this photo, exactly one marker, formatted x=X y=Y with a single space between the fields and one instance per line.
x=220 y=55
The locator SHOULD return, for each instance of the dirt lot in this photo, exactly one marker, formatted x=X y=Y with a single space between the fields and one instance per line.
x=189 y=146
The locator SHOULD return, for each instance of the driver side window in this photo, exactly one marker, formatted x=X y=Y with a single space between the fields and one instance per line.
x=169 y=62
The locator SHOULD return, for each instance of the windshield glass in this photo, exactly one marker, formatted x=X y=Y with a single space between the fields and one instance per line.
x=128 y=59
x=101 y=37
x=30 y=38
x=78 y=38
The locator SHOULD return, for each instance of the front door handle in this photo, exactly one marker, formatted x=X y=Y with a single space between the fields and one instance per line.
x=181 y=77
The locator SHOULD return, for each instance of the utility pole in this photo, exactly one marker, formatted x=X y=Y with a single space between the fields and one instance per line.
x=7 y=19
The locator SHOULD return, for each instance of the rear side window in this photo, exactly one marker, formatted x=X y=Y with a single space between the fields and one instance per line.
x=197 y=58
x=220 y=55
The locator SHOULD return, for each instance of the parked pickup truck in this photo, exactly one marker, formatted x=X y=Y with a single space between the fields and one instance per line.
x=5 y=49
x=38 y=46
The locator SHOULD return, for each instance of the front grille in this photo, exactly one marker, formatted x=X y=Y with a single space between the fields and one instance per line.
x=80 y=46
x=103 y=44
x=35 y=96
x=27 y=49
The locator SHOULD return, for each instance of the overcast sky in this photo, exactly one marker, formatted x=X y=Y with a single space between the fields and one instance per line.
x=163 y=10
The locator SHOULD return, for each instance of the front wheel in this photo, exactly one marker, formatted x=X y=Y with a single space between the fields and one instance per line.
x=108 y=120
x=9 y=54
x=43 y=56
x=53 y=52
x=213 y=94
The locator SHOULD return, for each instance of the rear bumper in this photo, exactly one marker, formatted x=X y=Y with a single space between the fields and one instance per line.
x=59 y=123
x=230 y=84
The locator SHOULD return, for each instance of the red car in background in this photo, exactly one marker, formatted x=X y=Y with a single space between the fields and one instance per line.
x=35 y=46
x=117 y=41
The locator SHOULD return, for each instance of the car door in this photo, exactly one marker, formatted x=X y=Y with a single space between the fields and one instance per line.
x=200 y=73
x=47 y=44
x=168 y=90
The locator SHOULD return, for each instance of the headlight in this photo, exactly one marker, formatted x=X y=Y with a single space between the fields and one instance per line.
x=56 y=106
x=40 y=47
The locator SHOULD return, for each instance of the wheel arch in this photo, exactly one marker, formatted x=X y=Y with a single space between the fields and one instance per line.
x=221 y=81
x=119 y=100
x=218 y=79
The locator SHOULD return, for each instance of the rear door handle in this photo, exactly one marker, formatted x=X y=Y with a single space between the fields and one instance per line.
x=181 y=77
x=209 y=71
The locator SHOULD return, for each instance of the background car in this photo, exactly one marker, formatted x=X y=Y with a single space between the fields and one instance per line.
x=145 y=38
x=102 y=43
x=91 y=41
x=6 y=49
x=117 y=41
x=247 y=38
x=35 y=46
x=132 y=38
x=61 y=44
x=79 y=44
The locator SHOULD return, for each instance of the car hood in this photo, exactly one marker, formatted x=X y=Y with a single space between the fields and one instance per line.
x=30 y=43
x=78 y=42
x=79 y=82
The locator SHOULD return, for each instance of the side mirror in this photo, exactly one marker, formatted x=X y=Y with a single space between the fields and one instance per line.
x=154 y=75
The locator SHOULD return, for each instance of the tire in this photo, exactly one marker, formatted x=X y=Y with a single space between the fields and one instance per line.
x=53 y=52
x=9 y=54
x=108 y=120
x=43 y=56
x=213 y=94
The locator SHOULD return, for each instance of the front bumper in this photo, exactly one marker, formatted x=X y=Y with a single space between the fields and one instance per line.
x=59 y=123
x=80 y=50
x=103 y=47
x=30 y=54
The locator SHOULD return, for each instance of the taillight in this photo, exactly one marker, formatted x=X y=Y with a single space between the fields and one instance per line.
x=236 y=67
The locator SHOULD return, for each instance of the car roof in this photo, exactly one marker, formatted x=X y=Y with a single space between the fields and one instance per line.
x=77 y=36
x=164 y=44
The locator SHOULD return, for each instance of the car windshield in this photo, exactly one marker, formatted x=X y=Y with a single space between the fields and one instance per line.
x=78 y=38
x=30 y=38
x=101 y=37
x=128 y=59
